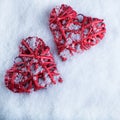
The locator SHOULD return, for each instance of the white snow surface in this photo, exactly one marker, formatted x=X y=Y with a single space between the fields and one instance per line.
x=91 y=87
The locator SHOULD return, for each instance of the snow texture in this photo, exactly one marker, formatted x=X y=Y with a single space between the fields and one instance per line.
x=91 y=87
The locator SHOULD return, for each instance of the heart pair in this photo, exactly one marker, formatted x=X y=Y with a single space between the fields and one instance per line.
x=35 y=68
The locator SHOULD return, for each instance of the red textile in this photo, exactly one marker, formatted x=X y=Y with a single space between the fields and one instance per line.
x=74 y=33
x=33 y=69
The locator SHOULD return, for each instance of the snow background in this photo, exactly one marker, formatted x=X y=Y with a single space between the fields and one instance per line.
x=90 y=90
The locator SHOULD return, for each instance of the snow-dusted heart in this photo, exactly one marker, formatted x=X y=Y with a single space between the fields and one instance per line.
x=33 y=69
x=74 y=33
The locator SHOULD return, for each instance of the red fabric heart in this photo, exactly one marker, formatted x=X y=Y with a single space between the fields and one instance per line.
x=33 y=69
x=74 y=33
